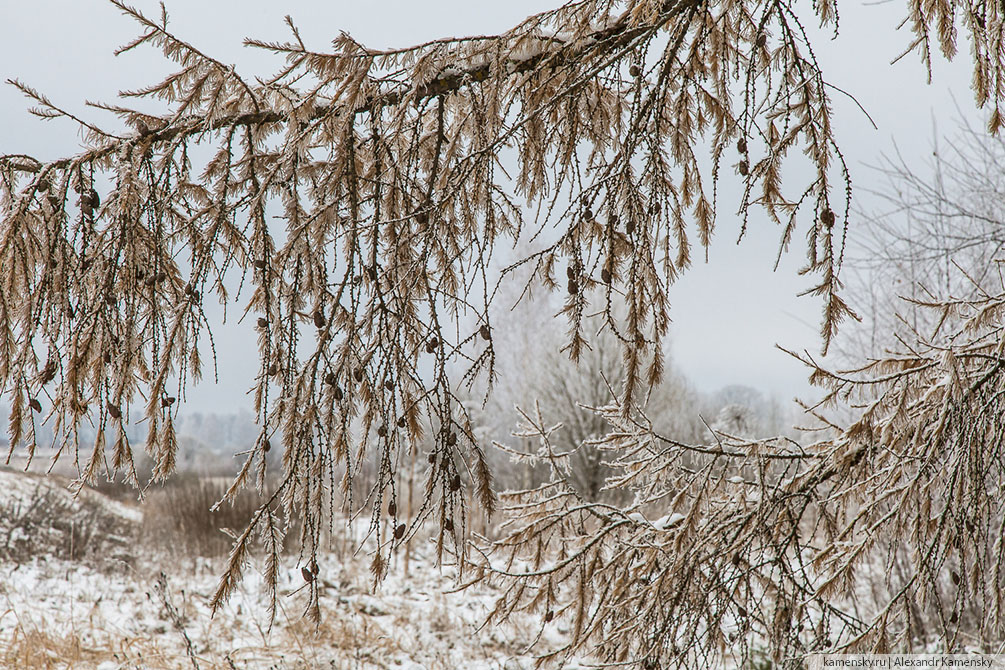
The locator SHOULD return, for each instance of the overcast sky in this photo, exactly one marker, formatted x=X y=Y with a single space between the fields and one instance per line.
x=728 y=314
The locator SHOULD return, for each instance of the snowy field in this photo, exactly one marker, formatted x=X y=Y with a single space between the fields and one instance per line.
x=104 y=609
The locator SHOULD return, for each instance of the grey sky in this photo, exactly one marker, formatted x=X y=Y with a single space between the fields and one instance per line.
x=727 y=314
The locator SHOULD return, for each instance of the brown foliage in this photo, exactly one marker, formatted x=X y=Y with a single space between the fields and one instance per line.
x=388 y=170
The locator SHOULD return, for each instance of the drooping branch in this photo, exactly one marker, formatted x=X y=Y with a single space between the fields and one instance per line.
x=760 y=548
x=359 y=196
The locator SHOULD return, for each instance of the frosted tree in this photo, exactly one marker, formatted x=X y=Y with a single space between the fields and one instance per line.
x=599 y=129
x=939 y=231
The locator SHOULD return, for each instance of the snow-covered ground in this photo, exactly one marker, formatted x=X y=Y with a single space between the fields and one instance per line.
x=106 y=612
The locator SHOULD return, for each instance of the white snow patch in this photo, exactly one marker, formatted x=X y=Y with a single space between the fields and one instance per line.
x=665 y=522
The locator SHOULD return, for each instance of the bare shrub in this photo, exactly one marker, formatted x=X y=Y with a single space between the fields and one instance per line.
x=50 y=521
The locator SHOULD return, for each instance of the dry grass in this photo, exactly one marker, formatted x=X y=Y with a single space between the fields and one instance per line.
x=57 y=612
x=177 y=516
x=42 y=650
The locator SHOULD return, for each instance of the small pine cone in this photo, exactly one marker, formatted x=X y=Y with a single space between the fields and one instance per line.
x=337 y=393
x=48 y=372
x=432 y=458
x=741 y=145
x=605 y=276
x=573 y=287
x=357 y=374
x=114 y=411
x=827 y=217
x=761 y=41
x=392 y=509
x=634 y=70
x=451 y=439
x=307 y=574
x=431 y=345
x=399 y=532
x=401 y=422
x=35 y=405
x=266 y=446
x=485 y=332
x=263 y=322
x=167 y=401
x=86 y=205
x=260 y=264
x=588 y=214
x=549 y=615
x=455 y=483
x=382 y=431
x=319 y=319
x=330 y=379
x=743 y=168
x=629 y=226
x=448 y=525
x=388 y=385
